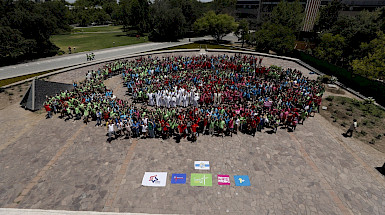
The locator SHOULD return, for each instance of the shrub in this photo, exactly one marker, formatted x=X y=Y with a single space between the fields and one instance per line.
x=325 y=78
x=369 y=100
x=356 y=102
x=350 y=108
x=60 y=52
x=277 y=68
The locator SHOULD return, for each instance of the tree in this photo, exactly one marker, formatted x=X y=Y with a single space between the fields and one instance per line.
x=25 y=30
x=331 y=48
x=191 y=9
x=373 y=64
x=358 y=29
x=58 y=13
x=328 y=16
x=289 y=14
x=168 y=22
x=242 y=31
x=215 y=25
x=224 y=6
x=136 y=15
x=274 y=37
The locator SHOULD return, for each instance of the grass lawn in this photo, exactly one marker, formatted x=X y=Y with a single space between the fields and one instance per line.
x=8 y=81
x=371 y=119
x=94 y=38
x=98 y=29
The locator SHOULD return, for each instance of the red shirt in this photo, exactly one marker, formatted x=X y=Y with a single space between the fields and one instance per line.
x=47 y=108
x=194 y=127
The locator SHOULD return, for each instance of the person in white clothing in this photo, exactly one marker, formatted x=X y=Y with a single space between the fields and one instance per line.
x=185 y=101
x=144 y=130
x=150 y=99
x=110 y=130
x=157 y=98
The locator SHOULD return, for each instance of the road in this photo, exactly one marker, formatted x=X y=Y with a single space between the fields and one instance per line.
x=58 y=62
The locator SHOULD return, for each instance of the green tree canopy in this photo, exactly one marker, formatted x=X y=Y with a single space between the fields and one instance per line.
x=168 y=21
x=242 y=31
x=373 y=64
x=328 y=16
x=358 y=29
x=331 y=47
x=289 y=14
x=274 y=37
x=224 y=6
x=215 y=25
x=135 y=14
x=25 y=30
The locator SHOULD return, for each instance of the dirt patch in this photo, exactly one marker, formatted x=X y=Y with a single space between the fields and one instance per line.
x=13 y=95
x=371 y=119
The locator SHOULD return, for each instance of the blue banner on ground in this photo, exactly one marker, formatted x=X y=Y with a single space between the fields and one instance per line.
x=241 y=180
x=178 y=178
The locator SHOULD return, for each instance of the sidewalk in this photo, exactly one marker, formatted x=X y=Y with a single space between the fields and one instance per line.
x=12 y=211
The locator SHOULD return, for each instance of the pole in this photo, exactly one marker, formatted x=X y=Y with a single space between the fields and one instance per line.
x=33 y=94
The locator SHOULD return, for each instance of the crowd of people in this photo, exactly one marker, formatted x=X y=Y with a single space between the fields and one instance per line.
x=184 y=97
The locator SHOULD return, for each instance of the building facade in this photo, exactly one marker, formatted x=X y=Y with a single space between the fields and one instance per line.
x=258 y=9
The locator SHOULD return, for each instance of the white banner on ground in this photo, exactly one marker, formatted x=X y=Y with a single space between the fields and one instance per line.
x=154 y=179
x=203 y=165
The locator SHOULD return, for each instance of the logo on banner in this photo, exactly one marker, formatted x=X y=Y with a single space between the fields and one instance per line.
x=223 y=180
x=154 y=179
x=178 y=179
x=241 y=180
x=204 y=165
x=198 y=179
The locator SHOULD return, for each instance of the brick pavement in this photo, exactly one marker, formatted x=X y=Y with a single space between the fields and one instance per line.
x=313 y=170
x=303 y=172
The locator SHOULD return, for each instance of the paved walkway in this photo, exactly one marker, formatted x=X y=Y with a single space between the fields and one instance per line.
x=76 y=59
x=57 y=165
x=57 y=62
x=12 y=211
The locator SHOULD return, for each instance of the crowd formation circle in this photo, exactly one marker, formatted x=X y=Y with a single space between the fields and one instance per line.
x=184 y=97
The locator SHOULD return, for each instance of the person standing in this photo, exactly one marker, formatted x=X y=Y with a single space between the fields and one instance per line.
x=111 y=130
x=48 y=109
x=352 y=128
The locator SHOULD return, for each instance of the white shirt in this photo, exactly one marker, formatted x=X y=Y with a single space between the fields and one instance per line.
x=110 y=127
x=144 y=128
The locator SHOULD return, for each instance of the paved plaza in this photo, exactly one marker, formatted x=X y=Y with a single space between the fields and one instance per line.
x=57 y=165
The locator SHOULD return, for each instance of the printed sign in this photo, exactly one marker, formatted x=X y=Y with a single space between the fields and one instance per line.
x=203 y=165
x=223 y=180
x=154 y=179
x=198 y=179
x=241 y=180
x=178 y=178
